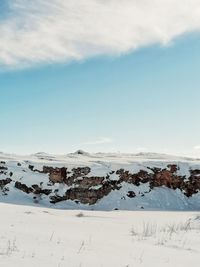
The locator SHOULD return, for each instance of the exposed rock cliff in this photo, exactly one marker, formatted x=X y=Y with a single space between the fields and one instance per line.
x=102 y=182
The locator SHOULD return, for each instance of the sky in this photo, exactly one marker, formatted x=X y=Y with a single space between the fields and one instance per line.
x=100 y=76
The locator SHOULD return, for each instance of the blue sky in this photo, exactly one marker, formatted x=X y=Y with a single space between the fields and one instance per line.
x=146 y=99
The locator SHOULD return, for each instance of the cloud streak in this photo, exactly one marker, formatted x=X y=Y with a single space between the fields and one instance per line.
x=51 y=31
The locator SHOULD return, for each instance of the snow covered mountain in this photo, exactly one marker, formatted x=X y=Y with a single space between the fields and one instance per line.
x=101 y=181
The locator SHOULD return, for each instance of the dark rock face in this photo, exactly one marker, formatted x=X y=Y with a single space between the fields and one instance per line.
x=33 y=189
x=166 y=178
x=4 y=182
x=31 y=167
x=3 y=168
x=87 y=182
x=192 y=186
x=23 y=187
x=171 y=180
x=85 y=195
x=38 y=190
x=56 y=175
x=86 y=189
x=195 y=172
x=78 y=172
x=59 y=175
x=82 y=195
x=131 y=194
x=157 y=177
x=173 y=168
x=136 y=178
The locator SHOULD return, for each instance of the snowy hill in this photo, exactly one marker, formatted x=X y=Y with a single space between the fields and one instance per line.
x=101 y=181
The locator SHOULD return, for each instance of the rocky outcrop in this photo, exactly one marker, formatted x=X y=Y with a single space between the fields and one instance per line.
x=170 y=179
x=164 y=177
x=3 y=168
x=4 y=182
x=88 y=182
x=38 y=190
x=131 y=194
x=79 y=172
x=33 y=189
x=79 y=185
x=56 y=175
x=135 y=178
x=23 y=187
x=87 y=195
x=76 y=175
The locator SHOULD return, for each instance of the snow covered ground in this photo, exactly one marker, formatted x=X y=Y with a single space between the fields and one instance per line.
x=42 y=237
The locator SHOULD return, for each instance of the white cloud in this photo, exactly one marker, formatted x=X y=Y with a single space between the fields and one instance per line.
x=102 y=140
x=48 y=31
x=197 y=147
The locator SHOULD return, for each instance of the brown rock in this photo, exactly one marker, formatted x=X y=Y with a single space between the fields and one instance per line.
x=56 y=175
x=23 y=187
x=38 y=190
x=78 y=172
x=4 y=182
x=87 y=182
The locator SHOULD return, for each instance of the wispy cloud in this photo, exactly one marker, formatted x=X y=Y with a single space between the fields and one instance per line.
x=102 y=140
x=48 y=31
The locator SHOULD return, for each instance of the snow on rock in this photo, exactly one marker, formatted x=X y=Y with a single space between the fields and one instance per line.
x=101 y=181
